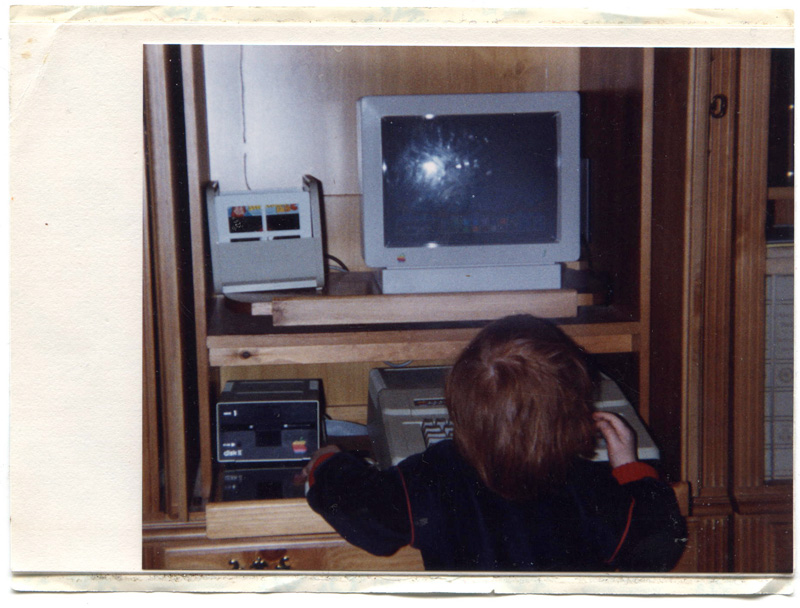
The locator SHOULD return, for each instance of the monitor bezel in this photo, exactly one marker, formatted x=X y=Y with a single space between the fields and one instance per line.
x=372 y=109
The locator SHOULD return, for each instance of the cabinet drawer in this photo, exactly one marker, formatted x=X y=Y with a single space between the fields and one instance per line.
x=329 y=555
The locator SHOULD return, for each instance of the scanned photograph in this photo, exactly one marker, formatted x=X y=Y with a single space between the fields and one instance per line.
x=423 y=309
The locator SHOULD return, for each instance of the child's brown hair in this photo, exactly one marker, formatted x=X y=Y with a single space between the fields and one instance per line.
x=520 y=398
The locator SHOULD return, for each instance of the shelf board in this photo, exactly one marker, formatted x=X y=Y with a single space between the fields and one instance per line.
x=390 y=345
x=429 y=307
x=351 y=322
x=355 y=298
x=351 y=298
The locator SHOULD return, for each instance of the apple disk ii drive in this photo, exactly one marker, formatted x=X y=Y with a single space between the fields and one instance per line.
x=268 y=240
x=407 y=413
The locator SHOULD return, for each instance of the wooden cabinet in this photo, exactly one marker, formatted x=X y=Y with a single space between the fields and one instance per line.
x=642 y=240
x=709 y=323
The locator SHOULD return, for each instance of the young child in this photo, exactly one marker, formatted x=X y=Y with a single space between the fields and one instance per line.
x=515 y=489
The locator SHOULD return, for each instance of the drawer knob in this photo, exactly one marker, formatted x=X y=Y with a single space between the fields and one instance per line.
x=258 y=564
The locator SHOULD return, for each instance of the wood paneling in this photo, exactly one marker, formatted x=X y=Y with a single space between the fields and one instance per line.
x=645 y=211
x=707 y=548
x=151 y=447
x=197 y=172
x=695 y=266
x=750 y=259
x=162 y=198
x=713 y=446
x=617 y=91
x=614 y=116
x=763 y=543
x=672 y=165
x=708 y=303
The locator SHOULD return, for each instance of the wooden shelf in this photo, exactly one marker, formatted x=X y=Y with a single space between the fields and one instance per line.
x=349 y=321
x=300 y=311
x=383 y=345
x=355 y=298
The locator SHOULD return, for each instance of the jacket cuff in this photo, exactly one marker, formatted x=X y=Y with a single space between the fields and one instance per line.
x=633 y=471
x=316 y=465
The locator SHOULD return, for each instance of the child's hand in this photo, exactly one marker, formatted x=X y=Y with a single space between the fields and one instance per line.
x=620 y=438
x=328 y=449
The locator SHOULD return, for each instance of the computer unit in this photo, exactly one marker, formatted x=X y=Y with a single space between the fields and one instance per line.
x=268 y=421
x=470 y=192
x=267 y=240
x=260 y=483
x=406 y=413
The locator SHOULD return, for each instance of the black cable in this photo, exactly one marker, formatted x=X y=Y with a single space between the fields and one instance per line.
x=338 y=261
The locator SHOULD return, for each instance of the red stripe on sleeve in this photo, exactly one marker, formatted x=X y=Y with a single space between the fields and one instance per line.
x=625 y=533
x=408 y=506
x=316 y=464
x=633 y=471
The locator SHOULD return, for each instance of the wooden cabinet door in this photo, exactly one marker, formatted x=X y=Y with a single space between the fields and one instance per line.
x=710 y=196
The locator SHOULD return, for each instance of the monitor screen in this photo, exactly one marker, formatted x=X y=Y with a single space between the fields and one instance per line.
x=470 y=179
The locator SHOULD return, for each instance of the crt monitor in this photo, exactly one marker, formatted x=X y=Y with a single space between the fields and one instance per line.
x=470 y=192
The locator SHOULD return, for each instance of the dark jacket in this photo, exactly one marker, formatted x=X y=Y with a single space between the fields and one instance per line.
x=599 y=520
